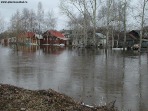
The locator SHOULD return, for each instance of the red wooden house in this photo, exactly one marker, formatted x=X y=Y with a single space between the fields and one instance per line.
x=30 y=38
x=53 y=37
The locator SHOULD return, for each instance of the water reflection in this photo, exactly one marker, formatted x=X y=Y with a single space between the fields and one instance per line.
x=91 y=76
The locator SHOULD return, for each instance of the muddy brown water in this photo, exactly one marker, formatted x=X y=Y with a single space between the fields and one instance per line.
x=95 y=77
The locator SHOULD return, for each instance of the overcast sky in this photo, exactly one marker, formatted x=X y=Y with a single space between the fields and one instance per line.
x=7 y=9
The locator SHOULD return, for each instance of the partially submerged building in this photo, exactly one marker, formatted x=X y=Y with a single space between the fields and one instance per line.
x=53 y=37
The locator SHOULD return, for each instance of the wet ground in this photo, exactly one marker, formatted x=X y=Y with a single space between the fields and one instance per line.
x=91 y=76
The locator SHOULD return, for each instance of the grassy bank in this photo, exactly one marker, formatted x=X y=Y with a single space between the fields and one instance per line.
x=13 y=98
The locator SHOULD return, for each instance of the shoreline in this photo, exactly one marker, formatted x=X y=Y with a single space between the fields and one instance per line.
x=13 y=98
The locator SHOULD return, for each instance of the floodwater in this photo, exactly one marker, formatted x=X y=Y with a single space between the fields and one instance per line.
x=92 y=76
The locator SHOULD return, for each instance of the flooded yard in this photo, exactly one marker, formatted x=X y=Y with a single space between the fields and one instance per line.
x=92 y=76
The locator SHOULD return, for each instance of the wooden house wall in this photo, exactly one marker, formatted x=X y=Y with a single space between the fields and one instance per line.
x=51 y=40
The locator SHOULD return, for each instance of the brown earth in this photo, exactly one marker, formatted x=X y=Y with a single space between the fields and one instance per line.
x=18 y=99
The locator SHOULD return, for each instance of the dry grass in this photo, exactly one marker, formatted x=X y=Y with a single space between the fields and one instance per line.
x=18 y=99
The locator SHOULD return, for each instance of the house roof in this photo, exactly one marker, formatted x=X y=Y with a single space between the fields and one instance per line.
x=134 y=34
x=29 y=34
x=38 y=36
x=57 y=34
x=100 y=36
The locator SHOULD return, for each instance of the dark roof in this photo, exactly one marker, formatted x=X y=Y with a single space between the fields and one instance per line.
x=133 y=35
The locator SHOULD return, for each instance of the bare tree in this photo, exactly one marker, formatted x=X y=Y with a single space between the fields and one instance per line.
x=40 y=16
x=75 y=24
x=115 y=14
x=108 y=17
x=125 y=19
x=28 y=20
x=25 y=19
x=15 y=22
x=123 y=13
x=32 y=21
x=94 y=19
x=109 y=3
x=87 y=9
x=142 y=21
x=120 y=20
x=50 y=20
x=1 y=24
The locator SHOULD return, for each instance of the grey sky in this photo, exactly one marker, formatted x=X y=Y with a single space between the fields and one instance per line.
x=7 y=9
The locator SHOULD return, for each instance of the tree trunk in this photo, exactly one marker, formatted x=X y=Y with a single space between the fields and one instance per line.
x=124 y=43
x=85 y=26
x=142 y=24
x=108 y=15
x=94 y=29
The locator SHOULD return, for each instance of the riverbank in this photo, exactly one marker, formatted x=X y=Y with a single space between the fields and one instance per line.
x=13 y=98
